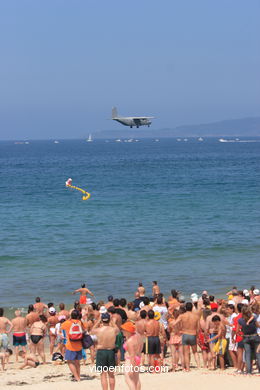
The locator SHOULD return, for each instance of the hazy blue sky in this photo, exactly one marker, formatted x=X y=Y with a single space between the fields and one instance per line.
x=65 y=63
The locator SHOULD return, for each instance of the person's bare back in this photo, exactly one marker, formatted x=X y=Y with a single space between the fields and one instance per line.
x=152 y=328
x=19 y=324
x=189 y=323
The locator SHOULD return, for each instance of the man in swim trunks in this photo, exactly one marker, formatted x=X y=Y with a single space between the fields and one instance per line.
x=19 y=333
x=5 y=328
x=153 y=345
x=39 y=306
x=106 y=333
x=156 y=288
x=189 y=327
x=83 y=300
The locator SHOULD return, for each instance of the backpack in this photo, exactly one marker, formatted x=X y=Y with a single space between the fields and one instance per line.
x=75 y=332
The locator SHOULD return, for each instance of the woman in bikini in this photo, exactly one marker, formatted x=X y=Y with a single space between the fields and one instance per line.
x=133 y=347
x=38 y=331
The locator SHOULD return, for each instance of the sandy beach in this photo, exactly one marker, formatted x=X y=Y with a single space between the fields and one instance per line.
x=51 y=377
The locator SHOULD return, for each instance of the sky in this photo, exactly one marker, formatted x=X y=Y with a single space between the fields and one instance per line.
x=65 y=63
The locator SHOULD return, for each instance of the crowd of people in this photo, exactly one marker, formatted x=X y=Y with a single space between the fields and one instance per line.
x=219 y=333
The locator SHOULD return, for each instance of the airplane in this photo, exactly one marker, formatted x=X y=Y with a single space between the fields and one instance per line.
x=131 y=121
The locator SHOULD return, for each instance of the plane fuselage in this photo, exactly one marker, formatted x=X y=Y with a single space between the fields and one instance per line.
x=133 y=121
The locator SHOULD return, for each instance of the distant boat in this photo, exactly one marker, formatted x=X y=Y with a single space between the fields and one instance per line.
x=118 y=140
x=156 y=140
x=185 y=139
x=56 y=142
x=178 y=139
x=200 y=139
x=89 y=138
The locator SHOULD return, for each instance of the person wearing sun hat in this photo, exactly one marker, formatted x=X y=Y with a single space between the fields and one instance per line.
x=133 y=349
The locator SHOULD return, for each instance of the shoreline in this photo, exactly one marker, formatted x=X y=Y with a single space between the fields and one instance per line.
x=50 y=377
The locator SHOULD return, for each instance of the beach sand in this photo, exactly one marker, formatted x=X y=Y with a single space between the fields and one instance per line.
x=51 y=377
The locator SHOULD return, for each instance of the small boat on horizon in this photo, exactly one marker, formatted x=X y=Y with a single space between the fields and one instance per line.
x=89 y=138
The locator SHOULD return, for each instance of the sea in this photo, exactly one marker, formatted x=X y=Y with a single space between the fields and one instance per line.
x=186 y=214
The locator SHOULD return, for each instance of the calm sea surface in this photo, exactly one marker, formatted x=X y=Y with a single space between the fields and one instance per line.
x=184 y=213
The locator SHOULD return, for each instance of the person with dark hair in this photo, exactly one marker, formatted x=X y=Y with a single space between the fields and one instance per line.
x=5 y=328
x=232 y=345
x=189 y=322
x=248 y=325
x=32 y=316
x=161 y=308
x=109 y=301
x=106 y=332
x=202 y=339
x=73 y=328
x=156 y=289
x=153 y=345
x=84 y=292
x=39 y=306
x=63 y=311
x=131 y=314
x=119 y=310
x=218 y=340
x=38 y=331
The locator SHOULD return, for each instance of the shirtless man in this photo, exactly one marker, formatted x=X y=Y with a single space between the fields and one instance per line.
x=84 y=292
x=19 y=333
x=5 y=327
x=152 y=330
x=63 y=311
x=156 y=289
x=39 y=306
x=106 y=333
x=140 y=324
x=140 y=329
x=141 y=290
x=189 y=327
x=109 y=301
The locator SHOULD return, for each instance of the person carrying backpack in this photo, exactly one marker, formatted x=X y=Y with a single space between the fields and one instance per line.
x=74 y=329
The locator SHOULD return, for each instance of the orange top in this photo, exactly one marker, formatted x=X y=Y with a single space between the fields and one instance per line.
x=71 y=345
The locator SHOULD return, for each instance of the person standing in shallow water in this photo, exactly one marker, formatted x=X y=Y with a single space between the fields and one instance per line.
x=156 y=289
x=84 y=292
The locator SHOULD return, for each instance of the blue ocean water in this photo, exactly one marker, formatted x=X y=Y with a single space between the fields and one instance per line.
x=184 y=213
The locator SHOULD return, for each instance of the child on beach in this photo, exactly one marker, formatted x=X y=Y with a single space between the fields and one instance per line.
x=4 y=357
x=219 y=340
x=29 y=360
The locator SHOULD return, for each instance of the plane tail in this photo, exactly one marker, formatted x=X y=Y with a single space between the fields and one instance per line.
x=114 y=112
